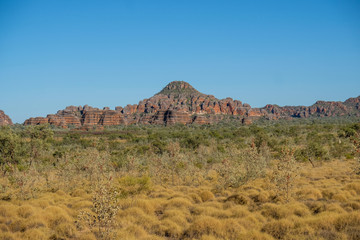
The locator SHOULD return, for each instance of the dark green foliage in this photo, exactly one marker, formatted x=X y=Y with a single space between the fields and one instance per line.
x=71 y=138
x=349 y=130
x=311 y=139
x=191 y=142
x=40 y=132
x=41 y=137
x=178 y=149
x=159 y=146
x=9 y=148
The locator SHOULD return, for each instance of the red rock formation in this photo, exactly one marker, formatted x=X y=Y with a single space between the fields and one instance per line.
x=91 y=117
x=36 y=121
x=181 y=96
x=4 y=119
x=319 y=109
x=180 y=103
x=353 y=103
x=110 y=117
x=201 y=119
x=57 y=120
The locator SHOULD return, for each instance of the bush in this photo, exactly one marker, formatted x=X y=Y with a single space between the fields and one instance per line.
x=101 y=219
x=9 y=149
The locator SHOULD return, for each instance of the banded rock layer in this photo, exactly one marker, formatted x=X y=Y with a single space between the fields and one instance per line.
x=180 y=103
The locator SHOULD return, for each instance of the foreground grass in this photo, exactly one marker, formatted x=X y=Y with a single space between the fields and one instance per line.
x=324 y=204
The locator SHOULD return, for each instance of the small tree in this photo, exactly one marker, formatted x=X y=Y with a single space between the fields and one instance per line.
x=254 y=162
x=247 y=165
x=39 y=137
x=356 y=143
x=9 y=149
x=100 y=220
x=285 y=173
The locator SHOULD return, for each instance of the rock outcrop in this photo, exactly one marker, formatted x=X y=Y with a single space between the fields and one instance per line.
x=180 y=103
x=351 y=107
x=4 y=119
x=80 y=116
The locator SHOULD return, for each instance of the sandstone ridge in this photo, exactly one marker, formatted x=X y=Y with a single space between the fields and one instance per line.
x=4 y=119
x=180 y=103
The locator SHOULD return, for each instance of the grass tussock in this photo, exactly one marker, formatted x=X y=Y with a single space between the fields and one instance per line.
x=226 y=186
x=318 y=212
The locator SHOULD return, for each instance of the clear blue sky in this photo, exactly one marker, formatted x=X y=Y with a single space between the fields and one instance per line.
x=112 y=53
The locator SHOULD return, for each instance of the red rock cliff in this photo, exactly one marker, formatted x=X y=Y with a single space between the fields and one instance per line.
x=4 y=119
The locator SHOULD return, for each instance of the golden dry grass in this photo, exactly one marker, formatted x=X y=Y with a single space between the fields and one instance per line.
x=325 y=204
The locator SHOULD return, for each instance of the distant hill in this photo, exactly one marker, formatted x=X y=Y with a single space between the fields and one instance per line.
x=179 y=102
x=4 y=119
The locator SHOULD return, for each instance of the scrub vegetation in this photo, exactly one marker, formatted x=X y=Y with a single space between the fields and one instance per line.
x=287 y=180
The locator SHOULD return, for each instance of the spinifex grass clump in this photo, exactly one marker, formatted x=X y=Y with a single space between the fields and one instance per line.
x=130 y=186
x=181 y=182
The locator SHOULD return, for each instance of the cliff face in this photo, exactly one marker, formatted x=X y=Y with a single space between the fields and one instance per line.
x=4 y=119
x=180 y=103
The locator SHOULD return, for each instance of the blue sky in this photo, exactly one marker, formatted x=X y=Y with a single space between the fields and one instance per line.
x=112 y=53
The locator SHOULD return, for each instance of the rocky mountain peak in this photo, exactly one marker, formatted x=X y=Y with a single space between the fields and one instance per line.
x=179 y=88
